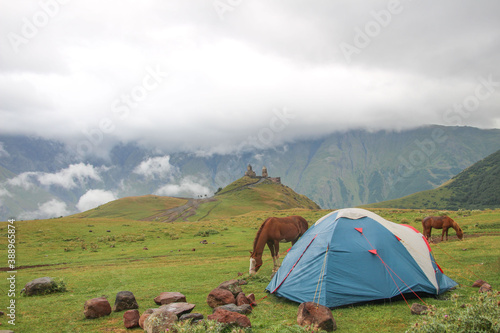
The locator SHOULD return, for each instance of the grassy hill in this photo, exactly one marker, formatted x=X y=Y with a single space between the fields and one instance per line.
x=134 y=208
x=477 y=187
x=240 y=197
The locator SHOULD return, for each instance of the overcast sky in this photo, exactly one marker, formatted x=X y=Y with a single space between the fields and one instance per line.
x=214 y=76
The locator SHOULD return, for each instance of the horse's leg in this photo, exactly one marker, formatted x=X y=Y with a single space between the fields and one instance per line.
x=270 y=244
x=447 y=234
x=277 y=249
x=442 y=234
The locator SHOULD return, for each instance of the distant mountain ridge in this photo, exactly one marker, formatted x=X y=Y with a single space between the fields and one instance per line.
x=476 y=187
x=41 y=178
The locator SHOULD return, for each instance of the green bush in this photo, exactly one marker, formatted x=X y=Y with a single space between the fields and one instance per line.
x=480 y=314
x=210 y=326
x=206 y=233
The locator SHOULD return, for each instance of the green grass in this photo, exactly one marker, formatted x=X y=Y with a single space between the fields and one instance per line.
x=102 y=263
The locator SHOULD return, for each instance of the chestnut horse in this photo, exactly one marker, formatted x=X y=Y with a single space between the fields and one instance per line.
x=440 y=222
x=273 y=231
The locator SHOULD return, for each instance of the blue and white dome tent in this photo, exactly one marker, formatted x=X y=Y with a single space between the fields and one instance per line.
x=353 y=255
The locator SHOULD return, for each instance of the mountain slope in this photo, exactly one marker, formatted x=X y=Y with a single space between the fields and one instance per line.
x=476 y=187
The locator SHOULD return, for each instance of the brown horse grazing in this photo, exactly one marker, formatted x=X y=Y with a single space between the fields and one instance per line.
x=273 y=231
x=440 y=222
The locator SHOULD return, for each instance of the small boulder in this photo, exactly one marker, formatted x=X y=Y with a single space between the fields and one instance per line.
x=131 y=318
x=40 y=286
x=219 y=296
x=125 y=300
x=251 y=298
x=145 y=316
x=319 y=316
x=194 y=317
x=230 y=318
x=232 y=285
x=478 y=283
x=242 y=299
x=485 y=287
x=243 y=309
x=96 y=308
x=179 y=308
x=169 y=297
x=418 y=309
x=159 y=321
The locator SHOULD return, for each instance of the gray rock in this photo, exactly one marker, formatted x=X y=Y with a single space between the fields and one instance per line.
x=194 y=317
x=40 y=286
x=159 y=321
x=179 y=308
x=125 y=300
x=243 y=309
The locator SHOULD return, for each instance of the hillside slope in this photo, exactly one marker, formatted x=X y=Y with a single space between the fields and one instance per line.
x=242 y=196
x=246 y=195
x=477 y=187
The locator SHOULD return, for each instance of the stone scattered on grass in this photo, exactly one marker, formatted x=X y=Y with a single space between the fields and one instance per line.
x=178 y=308
x=230 y=318
x=219 y=296
x=319 y=316
x=243 y=309
x=131 y=318
x=42 y=286
x=194 y=317
x=96 y=308
x=169 y=297
x=125 y=300
x=159 y=321
x=418 y=309
x=145 y=316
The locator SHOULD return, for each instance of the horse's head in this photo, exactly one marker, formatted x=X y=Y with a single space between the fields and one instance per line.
x=255 y=263
x=460 y=233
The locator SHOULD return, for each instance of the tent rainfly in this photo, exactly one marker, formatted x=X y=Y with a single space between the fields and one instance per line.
x=353 y=255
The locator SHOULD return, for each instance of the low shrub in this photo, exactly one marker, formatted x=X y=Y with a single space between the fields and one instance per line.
x=206 y=233
x=480 y=314
x=210 y=326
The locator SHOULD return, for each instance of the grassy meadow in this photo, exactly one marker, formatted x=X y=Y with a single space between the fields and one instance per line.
x=100 y=256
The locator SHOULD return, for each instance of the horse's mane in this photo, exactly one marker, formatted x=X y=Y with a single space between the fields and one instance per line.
x=259 y=232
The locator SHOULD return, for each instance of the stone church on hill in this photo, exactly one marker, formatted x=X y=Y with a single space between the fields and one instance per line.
x=250 y=173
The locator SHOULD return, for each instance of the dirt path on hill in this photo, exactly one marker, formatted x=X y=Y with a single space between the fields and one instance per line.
x=179 y=212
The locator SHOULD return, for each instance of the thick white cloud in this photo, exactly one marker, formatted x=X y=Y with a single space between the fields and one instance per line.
x=49 y=209
x=24 y=180
x=68 y=178
x=72 y=176
x=188 y=187
x=156 y=167
x=184 y=75
x=94 y=198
